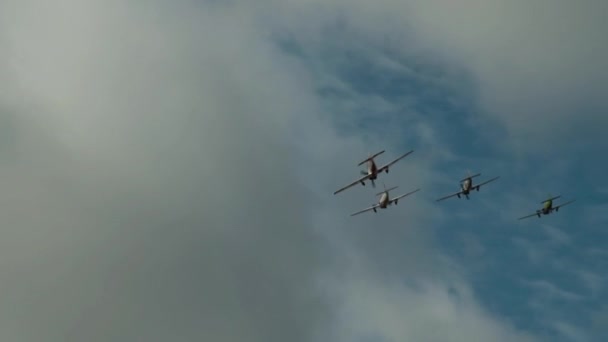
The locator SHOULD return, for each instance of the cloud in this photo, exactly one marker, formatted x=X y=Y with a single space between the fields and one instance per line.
x=540 y=251
x=539 y=67
x=169 y=170
x=593 y=282
x=571 y=332
x=535 y=254
x=556 y=236
x=473 y=248
x=434 y=308
x=535 y=62
x=552 y=291
x=595 y=215
x=600 y=321
x=152 y=190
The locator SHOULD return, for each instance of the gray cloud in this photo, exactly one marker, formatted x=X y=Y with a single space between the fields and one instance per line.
x=148 y=192
x=166 y=177
x=539 y=67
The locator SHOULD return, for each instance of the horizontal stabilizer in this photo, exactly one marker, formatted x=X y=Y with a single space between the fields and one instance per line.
x=387 y=190
x=477 y=175
x=551 y=199
x=370 y=158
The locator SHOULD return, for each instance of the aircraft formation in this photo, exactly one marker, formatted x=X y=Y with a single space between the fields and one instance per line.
x=466 y=187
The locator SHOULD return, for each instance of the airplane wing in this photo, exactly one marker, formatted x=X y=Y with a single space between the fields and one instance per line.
x=488 y=181
x=398 y=197
x=353 y=183
x=366 y=209
x=563 y=204
x=448 y=196
x=394 y=161
x=524 y=217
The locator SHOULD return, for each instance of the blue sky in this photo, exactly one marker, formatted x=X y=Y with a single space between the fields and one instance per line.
x=168 y=170
x=545 y=276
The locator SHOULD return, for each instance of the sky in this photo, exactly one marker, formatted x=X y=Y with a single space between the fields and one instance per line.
x=168 y=170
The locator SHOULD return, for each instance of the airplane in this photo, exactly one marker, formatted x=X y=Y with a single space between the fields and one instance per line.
x=372 y=170
x=384 y=201
x=466 y=186
x=547 y=208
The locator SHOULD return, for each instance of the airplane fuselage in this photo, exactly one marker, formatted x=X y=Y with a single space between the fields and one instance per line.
x=466 y=186
x=372 y=170
x=547 y=207
x=384 y=201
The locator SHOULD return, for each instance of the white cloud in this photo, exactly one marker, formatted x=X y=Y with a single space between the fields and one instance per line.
x=556 y=236
x=430 y=308
x=171 y=171
x=552 y=291
x=570 y=331
x=539 y=66
x=535 y=253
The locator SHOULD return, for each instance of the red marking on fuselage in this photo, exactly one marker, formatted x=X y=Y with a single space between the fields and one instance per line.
x=372 y=170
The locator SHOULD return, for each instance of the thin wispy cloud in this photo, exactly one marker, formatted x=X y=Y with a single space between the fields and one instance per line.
x=556 y=236
x=552 y=291
x=571 y=332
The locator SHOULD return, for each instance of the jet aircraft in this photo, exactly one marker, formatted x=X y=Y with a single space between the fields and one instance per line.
x=466 y=186
x=372 y=170
x=547 y=208
x=384 y=201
